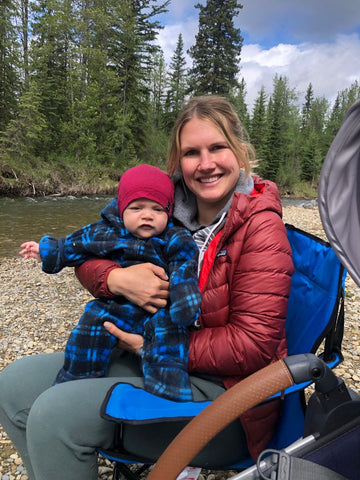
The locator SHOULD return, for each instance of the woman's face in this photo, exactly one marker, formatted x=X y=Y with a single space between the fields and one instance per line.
x=209 y=166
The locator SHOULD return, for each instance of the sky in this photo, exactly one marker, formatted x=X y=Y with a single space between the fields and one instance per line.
x=315 y=41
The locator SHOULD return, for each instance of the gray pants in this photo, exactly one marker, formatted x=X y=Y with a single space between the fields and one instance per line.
x=57 y=429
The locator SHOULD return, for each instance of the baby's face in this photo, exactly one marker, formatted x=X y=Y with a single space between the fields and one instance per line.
x=145 y=218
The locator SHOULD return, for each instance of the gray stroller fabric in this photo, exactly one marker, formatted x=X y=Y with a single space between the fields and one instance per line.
x=303 y=470
x=339 y=193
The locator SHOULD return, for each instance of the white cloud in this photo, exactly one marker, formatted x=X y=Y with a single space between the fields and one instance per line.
x=330 y=67
x=279 y=56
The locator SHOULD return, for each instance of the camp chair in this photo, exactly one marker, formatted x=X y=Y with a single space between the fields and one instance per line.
x=330 y=447
x=147 y=423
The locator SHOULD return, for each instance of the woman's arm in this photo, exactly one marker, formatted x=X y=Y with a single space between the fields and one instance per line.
x=244 y=311
x=144 y=284
x=93 y=275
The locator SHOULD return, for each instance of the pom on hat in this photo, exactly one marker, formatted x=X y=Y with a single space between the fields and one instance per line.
x=145 y=181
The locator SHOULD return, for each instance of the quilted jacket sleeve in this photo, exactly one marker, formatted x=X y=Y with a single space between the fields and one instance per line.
x=245 y=302
x=93 y=275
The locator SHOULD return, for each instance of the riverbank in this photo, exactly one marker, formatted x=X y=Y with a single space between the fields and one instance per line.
x=77 y=186
x=80 y=179
x=39 y=310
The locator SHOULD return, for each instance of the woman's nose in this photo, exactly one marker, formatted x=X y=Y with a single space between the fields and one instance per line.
x=206 y=162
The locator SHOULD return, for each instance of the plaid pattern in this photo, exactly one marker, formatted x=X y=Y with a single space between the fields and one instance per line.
x=165 y=352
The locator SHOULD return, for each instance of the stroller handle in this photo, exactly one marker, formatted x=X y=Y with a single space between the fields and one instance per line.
x=307 y=367
x=221 y=412
x=246 y=394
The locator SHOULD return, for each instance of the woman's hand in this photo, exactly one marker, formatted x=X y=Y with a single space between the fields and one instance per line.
x=127 y=341
x=144 y=284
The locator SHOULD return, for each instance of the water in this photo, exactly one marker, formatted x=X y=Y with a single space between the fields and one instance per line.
x=23 y=219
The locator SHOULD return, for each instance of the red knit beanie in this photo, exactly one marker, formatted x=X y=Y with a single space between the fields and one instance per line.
x=145 y=181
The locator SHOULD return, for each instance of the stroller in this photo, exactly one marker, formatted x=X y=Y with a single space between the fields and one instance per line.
x=328 y=436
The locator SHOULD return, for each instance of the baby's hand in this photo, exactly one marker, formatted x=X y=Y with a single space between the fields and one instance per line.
x=30 y=250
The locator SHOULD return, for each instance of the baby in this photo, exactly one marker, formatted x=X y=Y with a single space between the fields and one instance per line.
x=135 y=228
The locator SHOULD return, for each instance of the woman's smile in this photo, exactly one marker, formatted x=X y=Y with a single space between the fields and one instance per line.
x=209 y=180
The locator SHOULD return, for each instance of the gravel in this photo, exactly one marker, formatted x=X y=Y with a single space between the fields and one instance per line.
x=38 y=311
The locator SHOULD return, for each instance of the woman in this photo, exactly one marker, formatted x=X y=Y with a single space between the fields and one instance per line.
x=245 y=271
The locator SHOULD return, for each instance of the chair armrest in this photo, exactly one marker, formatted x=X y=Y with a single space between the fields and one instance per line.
x=145 y=407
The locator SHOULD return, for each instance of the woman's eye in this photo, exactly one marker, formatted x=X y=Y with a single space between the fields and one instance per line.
x=190 y=153
x=218 y=147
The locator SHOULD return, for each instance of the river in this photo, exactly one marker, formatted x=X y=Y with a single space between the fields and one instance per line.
x=23 y=219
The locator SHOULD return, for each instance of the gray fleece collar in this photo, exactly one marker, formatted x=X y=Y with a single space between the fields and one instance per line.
x=185 y=208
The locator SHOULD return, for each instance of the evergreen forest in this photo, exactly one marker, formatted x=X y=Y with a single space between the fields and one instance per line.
x=85 y=93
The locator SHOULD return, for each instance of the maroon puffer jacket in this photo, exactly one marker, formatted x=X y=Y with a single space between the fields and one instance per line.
x=244 y=302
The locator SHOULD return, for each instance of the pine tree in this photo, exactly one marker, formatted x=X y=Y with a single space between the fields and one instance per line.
x=280 y=160
x=92 y=62
x=216 y=53
x=311 y=158
x=157 y=140
x=9 y=61
x=177 y=85
x=349 y=96
x=22 y=143
x=306 y=110
x=334 y=121
x=343 y=102
x=49 y=67
x=258 y=125
x=157 y=90
x=24 y=35
x=311 y=136
x=132 y=55
x=238 y=99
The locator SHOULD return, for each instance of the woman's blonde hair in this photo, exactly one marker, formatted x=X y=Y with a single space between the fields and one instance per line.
x=221 y=114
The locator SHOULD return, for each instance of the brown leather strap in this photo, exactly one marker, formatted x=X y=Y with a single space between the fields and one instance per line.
x=221 y=412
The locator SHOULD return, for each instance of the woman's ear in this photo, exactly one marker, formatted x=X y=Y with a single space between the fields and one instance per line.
x=240 y=159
